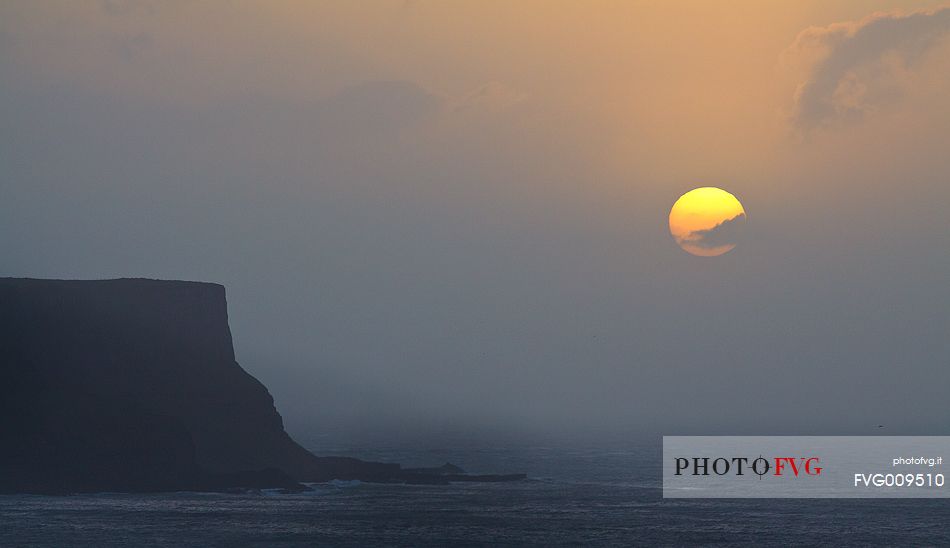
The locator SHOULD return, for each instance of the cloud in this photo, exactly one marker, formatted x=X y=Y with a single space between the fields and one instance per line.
x=855 y=67
x=492 y=95
x=723 y=234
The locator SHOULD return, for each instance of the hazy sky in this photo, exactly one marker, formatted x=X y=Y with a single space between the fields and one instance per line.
x=453 y=215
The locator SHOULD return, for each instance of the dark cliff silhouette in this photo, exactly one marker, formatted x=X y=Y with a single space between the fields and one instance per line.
x=132 y=385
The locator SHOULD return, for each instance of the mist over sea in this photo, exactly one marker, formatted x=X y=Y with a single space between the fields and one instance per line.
x=605 y=493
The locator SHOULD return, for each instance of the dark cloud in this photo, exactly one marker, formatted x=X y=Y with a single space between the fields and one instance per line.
x=491 y=95
x=725 y=233
x=834 y=88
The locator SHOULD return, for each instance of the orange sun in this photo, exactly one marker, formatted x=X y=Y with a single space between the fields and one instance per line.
x=707 y=221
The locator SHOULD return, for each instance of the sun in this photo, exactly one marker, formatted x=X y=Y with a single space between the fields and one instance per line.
x=707 y=221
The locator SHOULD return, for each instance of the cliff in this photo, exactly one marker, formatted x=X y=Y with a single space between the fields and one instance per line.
x=132 y=385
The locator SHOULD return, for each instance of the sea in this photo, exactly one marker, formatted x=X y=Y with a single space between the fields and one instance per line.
x=606 y=495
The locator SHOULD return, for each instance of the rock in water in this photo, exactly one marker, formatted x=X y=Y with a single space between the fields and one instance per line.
x=132 y=385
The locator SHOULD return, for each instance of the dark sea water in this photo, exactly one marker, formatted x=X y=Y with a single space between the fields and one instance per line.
x=606 y=496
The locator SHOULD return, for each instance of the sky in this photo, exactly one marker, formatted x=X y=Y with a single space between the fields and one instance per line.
x=452 y=216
